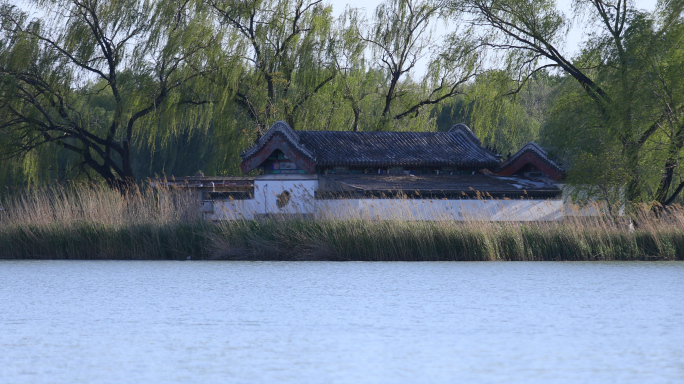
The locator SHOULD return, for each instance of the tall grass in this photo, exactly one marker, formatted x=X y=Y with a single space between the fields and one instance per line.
x=94 y=222
x=405 y=240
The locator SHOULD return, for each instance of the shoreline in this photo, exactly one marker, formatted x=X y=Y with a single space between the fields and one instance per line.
x=352 y=240
x=94 y=222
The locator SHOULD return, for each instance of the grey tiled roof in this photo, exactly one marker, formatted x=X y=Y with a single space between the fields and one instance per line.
x=459 y=147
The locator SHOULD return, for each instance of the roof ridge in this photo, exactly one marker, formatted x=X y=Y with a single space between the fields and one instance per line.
x=465 y=132
x=534 y=147
x=279 y=127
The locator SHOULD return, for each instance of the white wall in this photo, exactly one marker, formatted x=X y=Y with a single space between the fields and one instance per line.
x=426 y=209
x=584 y=201
x=301 y=188
x=267 y=188
x=410 y=209
x=230 y=210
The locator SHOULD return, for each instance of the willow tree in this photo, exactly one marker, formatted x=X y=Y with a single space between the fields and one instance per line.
x=148 y=58
x=665 y=68
x=402 y=33
x=350 y=100
x=612 y=70
x=283 y=45
x=503 y=113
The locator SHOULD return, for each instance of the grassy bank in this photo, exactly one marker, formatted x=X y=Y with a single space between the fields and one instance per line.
x=432 y=241
x=97 y=223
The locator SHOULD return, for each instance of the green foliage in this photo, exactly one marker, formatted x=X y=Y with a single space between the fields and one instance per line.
x=126 y=90
x=624 y=110
x=501 y=121
x=100 y=80
x=283 y=45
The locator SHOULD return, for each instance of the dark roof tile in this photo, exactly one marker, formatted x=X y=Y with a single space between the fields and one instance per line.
x=459 y=147
x=458 y=186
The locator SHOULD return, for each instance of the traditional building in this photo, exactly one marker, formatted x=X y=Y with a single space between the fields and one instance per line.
x=284 y=150
x=531 y=161
x=384 y=175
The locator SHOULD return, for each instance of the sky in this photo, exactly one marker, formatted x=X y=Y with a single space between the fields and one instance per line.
x=573 y=40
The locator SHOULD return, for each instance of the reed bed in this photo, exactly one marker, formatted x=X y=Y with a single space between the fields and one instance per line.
x=94 y=222
x=574 y=239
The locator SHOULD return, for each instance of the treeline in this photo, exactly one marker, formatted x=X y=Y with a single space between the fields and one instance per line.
x=117 y=91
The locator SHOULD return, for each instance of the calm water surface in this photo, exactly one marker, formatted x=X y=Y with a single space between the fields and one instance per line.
x=320 y=322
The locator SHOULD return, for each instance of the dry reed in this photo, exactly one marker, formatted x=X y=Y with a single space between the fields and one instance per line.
x=406 y=239
x=94 y=222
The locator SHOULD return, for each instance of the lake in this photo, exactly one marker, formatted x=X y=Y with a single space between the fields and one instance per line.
x=330 y=322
